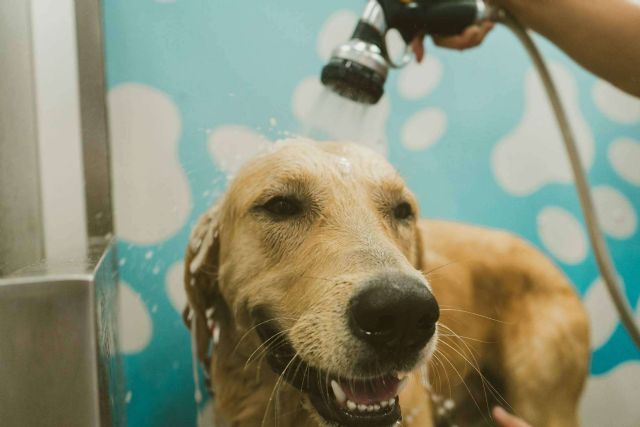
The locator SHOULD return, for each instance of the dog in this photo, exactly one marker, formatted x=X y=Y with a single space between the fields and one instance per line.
x=334 y=305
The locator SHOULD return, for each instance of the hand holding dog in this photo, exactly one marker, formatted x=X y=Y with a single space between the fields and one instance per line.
x=505 y=419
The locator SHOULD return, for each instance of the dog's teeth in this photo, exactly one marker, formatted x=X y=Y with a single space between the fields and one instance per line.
x=338 y=392
x=403 y=384
x=362 y=407
x=351 y=405
x=392 y=401
x=384 y=404
x=376 y=407
x=370 y=408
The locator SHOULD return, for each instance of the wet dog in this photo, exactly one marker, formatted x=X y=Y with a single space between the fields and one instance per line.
x=337 y=306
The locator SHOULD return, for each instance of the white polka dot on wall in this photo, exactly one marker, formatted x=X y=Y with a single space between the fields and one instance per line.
x=151 y=194
x=230 y=146
x=617 y=105
x=615 y=212
x=562 y=234
x=533 y=155
x=396 y=47
x=418 y=80
x=624 y=155
x=603 y=316
x=174 y=285
x=611 y=399
x=134 y=322
x=424 y=129
x=336 y=29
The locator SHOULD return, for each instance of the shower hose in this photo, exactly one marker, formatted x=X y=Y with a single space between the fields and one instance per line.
x=598 y=243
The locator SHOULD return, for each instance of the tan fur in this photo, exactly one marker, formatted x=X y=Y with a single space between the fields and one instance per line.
x=516 y=315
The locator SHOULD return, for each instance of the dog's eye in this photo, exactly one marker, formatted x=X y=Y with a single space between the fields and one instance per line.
x=283 y=206
x=403 y=211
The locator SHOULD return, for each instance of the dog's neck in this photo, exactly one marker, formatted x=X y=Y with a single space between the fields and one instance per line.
x=248 y=393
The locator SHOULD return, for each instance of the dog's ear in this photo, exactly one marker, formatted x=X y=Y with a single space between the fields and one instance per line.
x=201 y=278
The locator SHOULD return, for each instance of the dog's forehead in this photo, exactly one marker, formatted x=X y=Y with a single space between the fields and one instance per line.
x=302 y=156
x=309 y=165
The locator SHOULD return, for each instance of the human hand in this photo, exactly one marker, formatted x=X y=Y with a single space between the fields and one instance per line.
x=471 y=37
x=505 y=419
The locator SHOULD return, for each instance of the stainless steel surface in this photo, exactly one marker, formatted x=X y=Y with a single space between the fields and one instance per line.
x=58 y=364
x=20 y=218
x=363 y=53
x=93 y=107
x=374 y=16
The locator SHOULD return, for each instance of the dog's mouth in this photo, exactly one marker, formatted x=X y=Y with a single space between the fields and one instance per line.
x=352 y=402
x=370 y=401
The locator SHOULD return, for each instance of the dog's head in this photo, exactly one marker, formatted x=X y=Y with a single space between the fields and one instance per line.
x=314 y=253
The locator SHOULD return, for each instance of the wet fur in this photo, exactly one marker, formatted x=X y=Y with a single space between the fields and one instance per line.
x=506 y=310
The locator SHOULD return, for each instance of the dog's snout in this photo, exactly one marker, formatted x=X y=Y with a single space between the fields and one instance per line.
x=394 y=312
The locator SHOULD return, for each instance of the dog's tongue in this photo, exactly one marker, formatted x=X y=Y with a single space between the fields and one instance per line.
x=371 y=390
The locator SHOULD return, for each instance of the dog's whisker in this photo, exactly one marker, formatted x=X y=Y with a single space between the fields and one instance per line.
x=325 y=393
x=445 y=372
x=436 y=373
x=444 y=308
x=263 y=353
x=474 y=365
x=485 y=383
x=273 y=391
x=433 y=270
x=468 y=338
x=454 y=334
x=262 y=348
x=483 y=379
x=484 y=416
x=268 y=343
x=246 y=334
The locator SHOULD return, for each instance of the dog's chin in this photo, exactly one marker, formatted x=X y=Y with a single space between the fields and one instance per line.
x=337 y=400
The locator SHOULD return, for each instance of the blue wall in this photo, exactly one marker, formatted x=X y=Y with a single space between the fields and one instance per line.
x=193 y=85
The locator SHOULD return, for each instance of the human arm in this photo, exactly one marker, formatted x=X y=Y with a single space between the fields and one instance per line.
x=601 y=35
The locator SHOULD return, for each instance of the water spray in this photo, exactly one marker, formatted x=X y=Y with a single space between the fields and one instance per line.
x=358 y=70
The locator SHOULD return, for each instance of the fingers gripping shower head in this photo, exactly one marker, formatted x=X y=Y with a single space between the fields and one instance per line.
x=358 y=68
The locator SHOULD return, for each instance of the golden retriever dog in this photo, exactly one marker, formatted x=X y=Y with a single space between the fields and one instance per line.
x=334 y=305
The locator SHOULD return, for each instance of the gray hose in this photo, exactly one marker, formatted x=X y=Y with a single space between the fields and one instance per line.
x=598 y=243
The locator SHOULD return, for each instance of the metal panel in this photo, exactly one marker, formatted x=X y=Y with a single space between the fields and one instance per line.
x=20 y=221
x=58 y=359
x=47 y=357
x=93 y=106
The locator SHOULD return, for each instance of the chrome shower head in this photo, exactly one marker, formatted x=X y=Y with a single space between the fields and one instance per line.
x=358 y=68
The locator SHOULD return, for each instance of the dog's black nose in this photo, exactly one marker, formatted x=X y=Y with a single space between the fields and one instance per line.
x=394 y=312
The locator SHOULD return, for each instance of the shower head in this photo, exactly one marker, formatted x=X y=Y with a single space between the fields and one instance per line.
x=353 y=81
x=358 y=68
